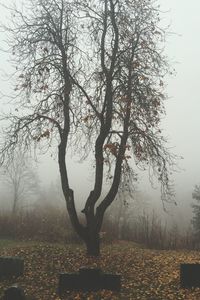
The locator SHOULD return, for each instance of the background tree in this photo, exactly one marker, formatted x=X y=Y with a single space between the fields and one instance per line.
x=196 y=210
x=51 y=195
x=20 y=179
x=90 y=76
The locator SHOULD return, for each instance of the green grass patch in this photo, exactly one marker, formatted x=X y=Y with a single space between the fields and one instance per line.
x=8 y=243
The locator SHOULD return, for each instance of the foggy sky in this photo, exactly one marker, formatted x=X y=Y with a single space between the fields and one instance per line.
x=182 y=122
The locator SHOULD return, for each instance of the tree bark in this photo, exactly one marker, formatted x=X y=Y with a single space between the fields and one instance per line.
x=93 y=245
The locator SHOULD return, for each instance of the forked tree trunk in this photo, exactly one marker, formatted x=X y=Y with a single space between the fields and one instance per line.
x=93 y=245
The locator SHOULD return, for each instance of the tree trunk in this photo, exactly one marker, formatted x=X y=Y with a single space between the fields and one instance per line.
x=93 y=245
x=14 y=207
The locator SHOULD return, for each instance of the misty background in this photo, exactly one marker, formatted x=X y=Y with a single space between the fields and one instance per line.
x=181 y=124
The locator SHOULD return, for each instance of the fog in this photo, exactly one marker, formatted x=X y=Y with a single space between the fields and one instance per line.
x=181 y=124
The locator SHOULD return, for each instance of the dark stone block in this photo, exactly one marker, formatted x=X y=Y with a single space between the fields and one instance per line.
x=14 y=293
x=68 y=282
x=11 y=266
x=190 y=275
x=88 y=280
x=89 y=272
x=111 y=282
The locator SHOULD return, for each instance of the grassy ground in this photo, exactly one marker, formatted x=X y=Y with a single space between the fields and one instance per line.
x=146 y=274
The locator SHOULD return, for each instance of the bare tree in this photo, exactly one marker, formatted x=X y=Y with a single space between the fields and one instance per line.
x=20 y=178
x=196 y=211
x=90 y=76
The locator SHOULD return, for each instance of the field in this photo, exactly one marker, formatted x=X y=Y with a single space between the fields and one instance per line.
x=146 y=274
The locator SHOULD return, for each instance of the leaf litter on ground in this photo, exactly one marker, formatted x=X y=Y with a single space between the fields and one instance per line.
x=146 y=274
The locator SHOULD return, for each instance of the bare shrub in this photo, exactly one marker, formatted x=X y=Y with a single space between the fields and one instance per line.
x=149 y=230
x=51 y=225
